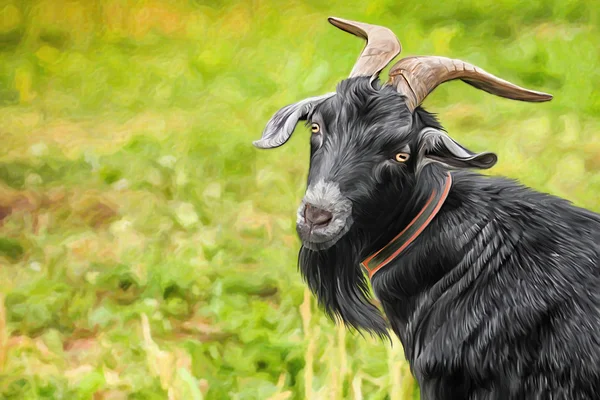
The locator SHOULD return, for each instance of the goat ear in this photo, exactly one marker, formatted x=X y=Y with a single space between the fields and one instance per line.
x=280 y=127
x=436 y=146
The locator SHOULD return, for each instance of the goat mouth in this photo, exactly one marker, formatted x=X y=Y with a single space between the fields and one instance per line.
x=323 y=236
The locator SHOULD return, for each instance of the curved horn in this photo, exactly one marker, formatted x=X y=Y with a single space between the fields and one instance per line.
x=416 y=77
x=382 y=46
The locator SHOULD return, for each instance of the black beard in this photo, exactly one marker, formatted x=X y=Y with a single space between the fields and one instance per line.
x=335 y=277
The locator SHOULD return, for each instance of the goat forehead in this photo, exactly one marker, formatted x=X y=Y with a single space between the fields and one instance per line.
x=375 y=113
x=368 y=108
x=366 y=137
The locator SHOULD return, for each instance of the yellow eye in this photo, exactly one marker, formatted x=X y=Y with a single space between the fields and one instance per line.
x=315 y=128
x=402 y=157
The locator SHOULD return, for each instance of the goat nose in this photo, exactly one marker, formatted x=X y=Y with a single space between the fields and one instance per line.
x=317 y=216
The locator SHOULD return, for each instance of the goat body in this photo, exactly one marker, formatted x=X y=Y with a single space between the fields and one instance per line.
x=499 y=298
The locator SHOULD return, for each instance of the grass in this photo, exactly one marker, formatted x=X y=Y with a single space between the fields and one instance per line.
x=148 y=251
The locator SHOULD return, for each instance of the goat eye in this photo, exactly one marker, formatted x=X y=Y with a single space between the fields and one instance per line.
x=402 y=157
x=315 y=128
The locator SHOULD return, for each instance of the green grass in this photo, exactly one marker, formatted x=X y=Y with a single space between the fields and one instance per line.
x=148 y=251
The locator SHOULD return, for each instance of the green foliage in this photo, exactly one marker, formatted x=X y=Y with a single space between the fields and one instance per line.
x=148 y=251
x=10 y=248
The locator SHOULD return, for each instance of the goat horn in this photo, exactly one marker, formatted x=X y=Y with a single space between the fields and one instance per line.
x=416 y=77
x=382 y=46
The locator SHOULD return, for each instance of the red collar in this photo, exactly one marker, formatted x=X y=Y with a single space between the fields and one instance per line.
x=397 y=245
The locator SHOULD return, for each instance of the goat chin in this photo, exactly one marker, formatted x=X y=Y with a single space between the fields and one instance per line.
x=320 y=246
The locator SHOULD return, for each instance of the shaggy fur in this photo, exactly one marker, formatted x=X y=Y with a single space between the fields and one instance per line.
x=498 y=298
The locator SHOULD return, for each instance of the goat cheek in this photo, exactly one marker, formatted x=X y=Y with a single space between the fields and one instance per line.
x=383 y=173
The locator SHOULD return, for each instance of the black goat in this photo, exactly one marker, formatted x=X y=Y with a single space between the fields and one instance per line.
x=493 y=288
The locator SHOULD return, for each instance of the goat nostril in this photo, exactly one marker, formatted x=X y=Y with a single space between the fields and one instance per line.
x=317 y=216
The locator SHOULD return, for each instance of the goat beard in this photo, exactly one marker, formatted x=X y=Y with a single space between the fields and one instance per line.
x=335 y=277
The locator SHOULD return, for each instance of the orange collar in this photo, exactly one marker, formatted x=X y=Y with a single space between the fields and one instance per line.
x=397 y=245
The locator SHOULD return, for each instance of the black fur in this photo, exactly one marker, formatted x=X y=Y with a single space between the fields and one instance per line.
x=498 y=298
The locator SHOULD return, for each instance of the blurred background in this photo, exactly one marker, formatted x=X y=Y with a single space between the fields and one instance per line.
x=148 y=251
